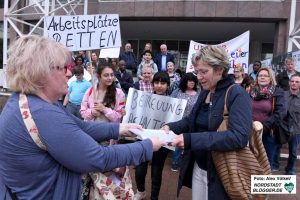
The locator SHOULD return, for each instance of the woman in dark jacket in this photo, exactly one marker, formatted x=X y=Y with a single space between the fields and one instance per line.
x=269 y=108
x=198 y=131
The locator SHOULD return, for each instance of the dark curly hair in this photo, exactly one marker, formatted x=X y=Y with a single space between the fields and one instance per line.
x=184 y=80
x=110 y=95
x=78 y=57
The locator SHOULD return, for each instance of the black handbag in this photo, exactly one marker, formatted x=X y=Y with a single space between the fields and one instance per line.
x=282 y=132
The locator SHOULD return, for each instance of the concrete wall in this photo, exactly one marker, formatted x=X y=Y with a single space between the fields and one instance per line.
x=229 y=11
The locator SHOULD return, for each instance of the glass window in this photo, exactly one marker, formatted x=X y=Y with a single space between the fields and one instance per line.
x=156 y=46
x=184 y=46
x=172 y=45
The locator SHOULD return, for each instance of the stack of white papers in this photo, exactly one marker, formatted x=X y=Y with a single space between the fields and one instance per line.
x=150 y=133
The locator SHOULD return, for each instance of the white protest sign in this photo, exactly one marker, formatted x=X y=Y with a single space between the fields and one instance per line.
x=152 y=110
x=266 y=63
x=296 y=56
x=110 y=53
x=85 y=32
x=237 y=49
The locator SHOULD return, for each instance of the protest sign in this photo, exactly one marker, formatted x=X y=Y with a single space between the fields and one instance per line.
x=110 y=53
x=85 y=32
x=237 y=49
x=151 y=110
x=296 y=56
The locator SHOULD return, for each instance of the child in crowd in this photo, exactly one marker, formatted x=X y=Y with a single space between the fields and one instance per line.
x=147 y=61
x=161 y=84
x=76 y=90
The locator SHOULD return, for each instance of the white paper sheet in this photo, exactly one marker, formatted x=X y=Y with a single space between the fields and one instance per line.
x=149 y=133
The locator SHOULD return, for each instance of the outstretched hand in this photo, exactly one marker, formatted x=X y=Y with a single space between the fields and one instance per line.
x=165 y=128
x=157 y=144
x=124 y=129
x=178 y=141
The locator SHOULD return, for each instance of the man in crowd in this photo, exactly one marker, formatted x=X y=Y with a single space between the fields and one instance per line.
x=256 y=67
x=293 y=97
x=124 y=77
x=283 y=78
x=85 y=60
x=148 y=47
x=129 y=57
x=163 y=58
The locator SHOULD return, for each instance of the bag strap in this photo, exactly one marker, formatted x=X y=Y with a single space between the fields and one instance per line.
x=29 y=122
x=273 y=104
x=225 y=101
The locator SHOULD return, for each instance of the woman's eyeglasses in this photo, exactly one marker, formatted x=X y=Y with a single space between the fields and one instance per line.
x=263 y=75
x=65 y=68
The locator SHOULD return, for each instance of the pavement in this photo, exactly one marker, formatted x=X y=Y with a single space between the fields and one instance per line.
x=169 y=184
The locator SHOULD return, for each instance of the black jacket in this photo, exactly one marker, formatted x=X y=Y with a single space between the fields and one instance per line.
x=240 y=124
x=282 y=80
x=126 y=81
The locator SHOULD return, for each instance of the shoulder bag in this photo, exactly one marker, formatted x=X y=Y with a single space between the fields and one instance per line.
x=101 y=186
x=236 y=167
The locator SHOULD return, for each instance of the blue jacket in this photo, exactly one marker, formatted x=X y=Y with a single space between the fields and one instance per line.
x=72 y=149
x=157 y=60
x=240 y=125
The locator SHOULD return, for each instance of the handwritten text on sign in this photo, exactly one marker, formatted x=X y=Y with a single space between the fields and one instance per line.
x=85 y=32
x=237 y=49
x=151 y=110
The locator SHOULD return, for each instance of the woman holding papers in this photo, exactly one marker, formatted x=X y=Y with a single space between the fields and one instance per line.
x=44 y=149
x=161 y=84
x=188 y=89
x=198 y=131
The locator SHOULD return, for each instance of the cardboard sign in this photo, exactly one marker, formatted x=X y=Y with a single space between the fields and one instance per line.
x=85 y=32
x=152 y=111
x=110 y=53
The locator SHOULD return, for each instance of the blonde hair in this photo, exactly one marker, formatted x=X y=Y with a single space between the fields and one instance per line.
x=30 y=61
x=271 y=74
x=214 y=56
x=240 y=68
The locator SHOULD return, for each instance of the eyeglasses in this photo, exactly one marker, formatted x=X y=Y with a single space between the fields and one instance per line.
x=201 y=72
x=65 y=68
x=263 y=75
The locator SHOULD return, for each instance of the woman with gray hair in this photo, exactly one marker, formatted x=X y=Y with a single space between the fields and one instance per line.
x=146 y=83
x=44 y=149
x=197 y=132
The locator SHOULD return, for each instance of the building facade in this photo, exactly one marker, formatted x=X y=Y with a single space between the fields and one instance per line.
x=179 y=21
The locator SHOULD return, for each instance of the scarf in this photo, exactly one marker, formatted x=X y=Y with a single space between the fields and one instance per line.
x=258 y=93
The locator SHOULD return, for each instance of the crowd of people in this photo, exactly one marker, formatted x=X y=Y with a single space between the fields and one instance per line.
x=90 y=113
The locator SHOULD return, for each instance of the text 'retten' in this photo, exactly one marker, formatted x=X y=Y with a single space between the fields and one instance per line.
x=85 y=32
